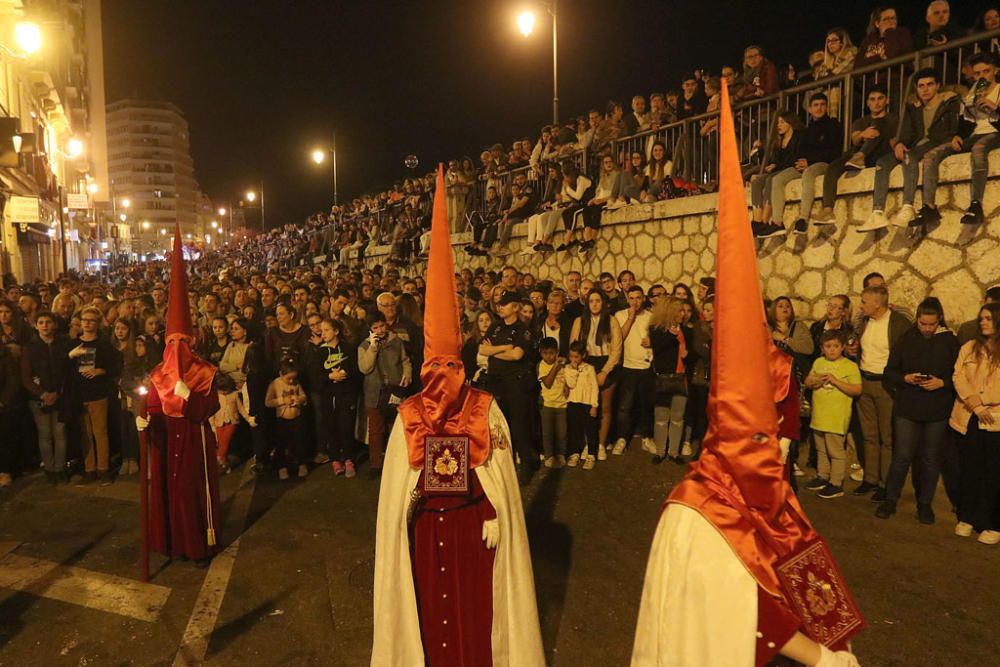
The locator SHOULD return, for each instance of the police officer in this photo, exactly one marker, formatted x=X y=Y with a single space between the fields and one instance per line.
x=509 y=345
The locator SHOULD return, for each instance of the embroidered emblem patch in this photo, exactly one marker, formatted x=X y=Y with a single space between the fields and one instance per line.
x=446 y=464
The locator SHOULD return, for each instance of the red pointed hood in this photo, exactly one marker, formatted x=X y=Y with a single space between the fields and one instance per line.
x=178 y=308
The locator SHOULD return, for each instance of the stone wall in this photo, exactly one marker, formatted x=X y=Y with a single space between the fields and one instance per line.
x=674 y=241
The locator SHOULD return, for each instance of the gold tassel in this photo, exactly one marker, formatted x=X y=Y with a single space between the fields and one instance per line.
x=208 y=490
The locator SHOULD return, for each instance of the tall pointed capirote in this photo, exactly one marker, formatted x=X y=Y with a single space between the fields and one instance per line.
x=741 y=401
x=178 y=306
x=442 y=332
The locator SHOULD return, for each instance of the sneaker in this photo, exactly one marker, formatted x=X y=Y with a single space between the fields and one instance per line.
x=974 y=216
x=857 y=473
x=886 y=509
x=321 y=459
x=5 y=480
x=989 y=537
x=282 y=473
x=303 y=471
x=619 y=447
x=801 y=226
x=927 y=216
x=602 y=453
x=573 y=460
x=963 y=529
x=648 y=446
x=876 y=221
x=527 y=250
x=757 y=228
x=865 y=488
x=658 y=459
x=349 y=469
x=550 y=462
x=816 y=483
x=686 y=449
x=904 y=216
x=588 y=463
x=879 y=495
x=857 y=161
x=338 y=468
x=824 y=217
x=773 y=230
x=830 y=491
x=925 y=514
x=560 y=247
x=560 y=462
x=797 y=471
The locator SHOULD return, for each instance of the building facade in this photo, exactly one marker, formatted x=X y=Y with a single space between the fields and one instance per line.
x=152 y=175
x=47 y=91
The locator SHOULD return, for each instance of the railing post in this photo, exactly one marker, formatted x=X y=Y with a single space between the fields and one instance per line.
x=847 y=109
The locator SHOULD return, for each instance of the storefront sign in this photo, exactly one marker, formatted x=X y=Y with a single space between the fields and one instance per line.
x=77 y=200
x=23 y=209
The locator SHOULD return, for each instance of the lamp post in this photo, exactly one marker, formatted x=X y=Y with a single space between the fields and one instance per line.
x=251 y=196
x=319 y=155
x=526 y=24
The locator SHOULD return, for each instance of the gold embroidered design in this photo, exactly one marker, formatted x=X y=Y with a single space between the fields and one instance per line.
x=446 y=464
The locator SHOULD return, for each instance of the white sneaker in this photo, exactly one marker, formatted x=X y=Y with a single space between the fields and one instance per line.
x=686 y=449
x=648 y=445
x=963 y=529
x=989 y=537
x=602 y=453
x=527 y=250
x=857 y=473
x=619 y=447
x=549 y=462
x=876 y=221
x=904 y=216
x=588 y=463
x=797 y=470
x=573 y=460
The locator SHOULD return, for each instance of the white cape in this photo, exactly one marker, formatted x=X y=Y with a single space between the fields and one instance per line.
x=699 y=602
x=516 y=636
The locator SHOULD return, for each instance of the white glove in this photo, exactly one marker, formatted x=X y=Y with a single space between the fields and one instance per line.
x=182 y=390
x=141 y=423
x=491 y=533
x=252 y=421
x=77 y=351
x=828 y=658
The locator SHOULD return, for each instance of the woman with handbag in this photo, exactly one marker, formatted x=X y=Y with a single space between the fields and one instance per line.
x=670 y=343
x=792 y=338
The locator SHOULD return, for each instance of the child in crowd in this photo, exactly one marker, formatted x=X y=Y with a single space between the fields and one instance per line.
x=224 y=421
x=552 y=375
x=287 y=397
x=581 y=409
x=835 y=381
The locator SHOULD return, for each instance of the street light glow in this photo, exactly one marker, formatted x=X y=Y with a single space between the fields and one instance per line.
x=92 y=188
x=122 y=216
x=215 y=224
x=251 y=195
x=222 y=210
x=318 y=156
x=74 y=147
x=126 y=202
x=28 y=37
x=526 y=22
x=163 y=232
x=145 y=224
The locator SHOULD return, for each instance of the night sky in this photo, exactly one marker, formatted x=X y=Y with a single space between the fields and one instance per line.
x=264 y=81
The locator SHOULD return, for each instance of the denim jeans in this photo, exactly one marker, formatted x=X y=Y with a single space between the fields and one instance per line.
x=553 y=431
x=635 y=394
x=978 y=146
x=668 y=426
x=911 y=171
x=809 y=188
x=51 y=437
x=921 y=441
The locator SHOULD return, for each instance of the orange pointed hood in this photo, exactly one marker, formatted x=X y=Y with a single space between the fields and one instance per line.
x=442 y=333
x=738 y=482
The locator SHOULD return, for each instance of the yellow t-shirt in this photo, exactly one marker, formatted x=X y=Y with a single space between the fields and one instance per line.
x=554 y=396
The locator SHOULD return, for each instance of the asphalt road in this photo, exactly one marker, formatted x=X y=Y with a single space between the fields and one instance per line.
x=296 y=588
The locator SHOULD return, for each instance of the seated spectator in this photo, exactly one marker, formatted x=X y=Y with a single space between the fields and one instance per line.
x=610 y=128
x=607 y=195
x=870 y=136
x=658 y=173
x=577 y=190
x=885 y=39
x=693 y=101
x=919 y=373
x=781 y=154
x=637 y=120
x=546 y=216
x=976 y=416
x=635 y=182
x=977 y=134
x=484 y=222
x=659 y=113
x=522 y=205
x=916 y=138
x=838 y=54
x=988 y=21
x=939 y=29
x=760 y=76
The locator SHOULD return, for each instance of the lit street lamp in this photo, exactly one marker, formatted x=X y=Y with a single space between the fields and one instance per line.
x=319 y=155
x=28 y=37
x=526 y=25
x=251 y=196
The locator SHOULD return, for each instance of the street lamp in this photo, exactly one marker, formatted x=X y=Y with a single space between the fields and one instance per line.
x=28 y=37
x=145 y=225
x=526 y=25
x=74 y=148
x=92 y=188
x=126 y=203
x=215 y=224
x=222 y=210
x=319 y=155
x=251 y=196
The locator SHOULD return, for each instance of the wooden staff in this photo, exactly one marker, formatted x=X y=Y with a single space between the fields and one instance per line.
x=141 y=411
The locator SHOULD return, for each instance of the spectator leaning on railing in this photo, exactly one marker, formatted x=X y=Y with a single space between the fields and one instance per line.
x=885 y=40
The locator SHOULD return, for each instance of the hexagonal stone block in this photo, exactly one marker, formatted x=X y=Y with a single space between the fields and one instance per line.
x=960 y=293
x=809 y=285
x=933 y=259
x=661 y=246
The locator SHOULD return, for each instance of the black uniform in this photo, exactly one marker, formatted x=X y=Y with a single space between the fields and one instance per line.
x=511 y=383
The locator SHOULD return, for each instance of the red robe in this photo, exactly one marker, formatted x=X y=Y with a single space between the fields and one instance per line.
x=453 y=577
x=179 y=511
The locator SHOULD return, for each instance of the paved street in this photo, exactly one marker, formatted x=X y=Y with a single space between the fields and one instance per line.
x=295 y=589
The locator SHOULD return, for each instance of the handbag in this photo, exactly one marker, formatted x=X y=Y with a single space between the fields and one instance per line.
x=672 y=384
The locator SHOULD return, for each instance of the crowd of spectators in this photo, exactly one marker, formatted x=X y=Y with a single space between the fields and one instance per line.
x=314 y=358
